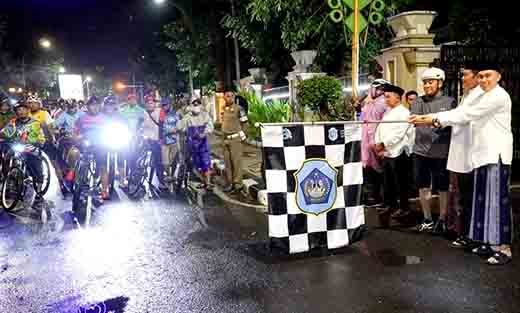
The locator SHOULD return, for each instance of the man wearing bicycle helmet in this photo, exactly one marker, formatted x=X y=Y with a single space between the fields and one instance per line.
x=35 y=105
x=89 y=127
x=46 y=122
x=133 y=115
x=6 y=114
x=64 y=125
x=431 y=150
x=373 y=109
x=26 y=130
x=168 y=120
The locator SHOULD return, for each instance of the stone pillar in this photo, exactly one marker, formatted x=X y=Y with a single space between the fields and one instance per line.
x=412 y=49
x=258 y=89
x=259 y=80
x=304 y=60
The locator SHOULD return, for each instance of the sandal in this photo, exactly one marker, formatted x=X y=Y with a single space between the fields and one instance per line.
x=483 y=251
x=499 y=258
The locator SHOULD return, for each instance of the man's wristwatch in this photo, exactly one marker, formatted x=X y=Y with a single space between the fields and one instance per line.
x=436 y=123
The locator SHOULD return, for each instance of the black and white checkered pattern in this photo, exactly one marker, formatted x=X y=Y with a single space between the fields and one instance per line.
x=285 y=150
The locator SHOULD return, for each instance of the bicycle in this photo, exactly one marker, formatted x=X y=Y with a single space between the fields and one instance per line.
x=5 y=160
x=85 y=184
x=20 y=174
x=63 y=146
x=142 y=172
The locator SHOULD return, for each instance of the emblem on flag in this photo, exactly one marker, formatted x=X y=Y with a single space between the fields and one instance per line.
x=316 y=186
x=333 y=134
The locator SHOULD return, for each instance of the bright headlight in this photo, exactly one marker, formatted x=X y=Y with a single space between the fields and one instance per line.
x=116 y=135
x=18 y=148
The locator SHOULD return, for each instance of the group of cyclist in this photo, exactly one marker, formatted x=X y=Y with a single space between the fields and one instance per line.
x=59 y=130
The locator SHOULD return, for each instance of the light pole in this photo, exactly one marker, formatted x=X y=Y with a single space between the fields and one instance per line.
x=237 y=50
x=88 y=79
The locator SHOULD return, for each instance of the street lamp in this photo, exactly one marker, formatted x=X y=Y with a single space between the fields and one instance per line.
x=61 y=69
x=45 y=43
x=159 y=2
x=120 y=86
x=12 y=90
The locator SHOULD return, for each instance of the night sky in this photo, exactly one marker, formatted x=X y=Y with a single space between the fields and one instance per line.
x=90 y=33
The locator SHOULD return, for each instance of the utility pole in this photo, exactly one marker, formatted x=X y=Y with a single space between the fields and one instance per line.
x=237 y=52
x=355 y=51
x=23 y=72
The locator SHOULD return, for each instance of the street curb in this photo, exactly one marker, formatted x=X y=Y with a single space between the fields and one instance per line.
x=219 y=193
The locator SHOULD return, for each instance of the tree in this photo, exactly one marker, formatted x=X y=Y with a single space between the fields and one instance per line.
x=192 y=50
x=157 y=63
x=304 y=24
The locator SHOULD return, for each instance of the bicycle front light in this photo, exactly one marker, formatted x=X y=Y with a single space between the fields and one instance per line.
x=18 y=148
x=116 y=135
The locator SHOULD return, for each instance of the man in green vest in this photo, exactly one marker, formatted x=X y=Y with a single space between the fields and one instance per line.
x=234 y=125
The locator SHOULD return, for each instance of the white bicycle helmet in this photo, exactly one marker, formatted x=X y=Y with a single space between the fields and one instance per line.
x=379 y=82
x=433 y=73
x=33 y=98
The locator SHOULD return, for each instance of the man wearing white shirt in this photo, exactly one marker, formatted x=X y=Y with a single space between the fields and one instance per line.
x=459 y=156
x=392 y=142
x=491 y=156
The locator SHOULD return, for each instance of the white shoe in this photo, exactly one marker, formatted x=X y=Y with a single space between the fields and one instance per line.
x=426 y=226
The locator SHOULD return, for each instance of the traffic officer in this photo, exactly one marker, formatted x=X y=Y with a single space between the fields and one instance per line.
x=234 y=125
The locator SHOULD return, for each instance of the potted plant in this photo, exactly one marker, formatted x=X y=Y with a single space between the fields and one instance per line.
x=320 y=97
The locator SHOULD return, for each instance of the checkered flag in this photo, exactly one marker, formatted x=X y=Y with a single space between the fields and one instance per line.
x=314 y=179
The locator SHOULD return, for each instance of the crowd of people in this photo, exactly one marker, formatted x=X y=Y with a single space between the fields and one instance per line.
x=59 y=128
x=422 y=145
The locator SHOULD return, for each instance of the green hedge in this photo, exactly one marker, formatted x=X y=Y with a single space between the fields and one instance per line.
x=262 y=112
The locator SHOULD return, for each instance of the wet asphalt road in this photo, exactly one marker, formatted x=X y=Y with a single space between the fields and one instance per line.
x=165 y=256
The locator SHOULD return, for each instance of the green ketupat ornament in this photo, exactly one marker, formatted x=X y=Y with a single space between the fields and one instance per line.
x=356 y=22
x=340 y=12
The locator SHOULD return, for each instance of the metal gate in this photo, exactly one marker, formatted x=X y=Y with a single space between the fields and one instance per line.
x=452 y=62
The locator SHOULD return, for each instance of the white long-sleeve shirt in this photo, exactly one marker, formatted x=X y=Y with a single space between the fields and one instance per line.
x=459 y=157
x=396 y=137
x=490 y=116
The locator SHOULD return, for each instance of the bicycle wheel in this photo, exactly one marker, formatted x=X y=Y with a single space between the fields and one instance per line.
x=111 y=174
x=42 y=187
x=138 y=174
x=81 y=197
x=13 y=188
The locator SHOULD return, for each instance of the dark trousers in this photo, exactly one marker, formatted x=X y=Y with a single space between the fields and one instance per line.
x=157 y=160
x=396 y=180
x=375 y=180
x=35 y=167
x=465 y=182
